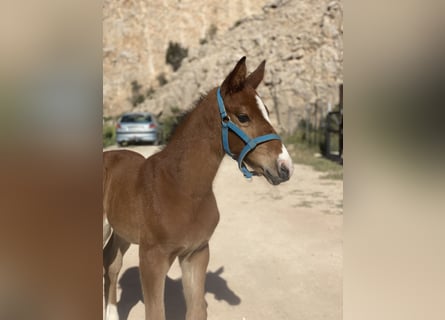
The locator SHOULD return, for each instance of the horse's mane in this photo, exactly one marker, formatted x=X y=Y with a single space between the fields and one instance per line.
x=181 y=117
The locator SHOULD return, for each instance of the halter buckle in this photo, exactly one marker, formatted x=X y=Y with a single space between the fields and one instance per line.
x=225 y=122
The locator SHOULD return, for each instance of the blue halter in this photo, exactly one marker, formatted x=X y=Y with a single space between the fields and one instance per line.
x=250 y=143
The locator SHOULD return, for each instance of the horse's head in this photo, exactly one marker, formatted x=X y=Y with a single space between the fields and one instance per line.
x=266 y=154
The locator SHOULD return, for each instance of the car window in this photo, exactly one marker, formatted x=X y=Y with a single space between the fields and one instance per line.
x=136 y=118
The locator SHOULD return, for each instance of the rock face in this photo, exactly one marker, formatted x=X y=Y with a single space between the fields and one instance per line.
x=136 y=35
x=302 y=42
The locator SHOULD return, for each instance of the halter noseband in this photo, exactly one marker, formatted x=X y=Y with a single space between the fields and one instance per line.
x=250 y=143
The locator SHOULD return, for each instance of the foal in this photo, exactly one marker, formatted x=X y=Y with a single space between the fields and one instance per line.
x=166 y=204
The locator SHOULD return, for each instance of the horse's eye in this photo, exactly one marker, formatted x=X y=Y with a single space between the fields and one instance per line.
x=243 y=118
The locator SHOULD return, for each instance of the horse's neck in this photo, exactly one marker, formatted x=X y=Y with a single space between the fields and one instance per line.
x=195 y=151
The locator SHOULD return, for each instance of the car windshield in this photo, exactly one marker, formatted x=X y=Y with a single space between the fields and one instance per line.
x=136 y=118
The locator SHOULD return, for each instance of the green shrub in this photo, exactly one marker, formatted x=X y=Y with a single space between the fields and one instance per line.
x=162 y=79
x=304 y=153
x=175 y=54
x=150 y=92
x=108 y=135
x=237 y=23
x=169 y=123
x=136 y=96
x=210 y=34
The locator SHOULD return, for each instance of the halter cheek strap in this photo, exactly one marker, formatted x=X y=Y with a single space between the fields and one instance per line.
x=251 y=144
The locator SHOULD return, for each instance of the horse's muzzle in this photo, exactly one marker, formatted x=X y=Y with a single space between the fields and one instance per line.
x=284 y=172
x=281 y=173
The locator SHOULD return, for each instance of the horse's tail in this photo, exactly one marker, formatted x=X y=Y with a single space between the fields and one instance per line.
x=107 y=229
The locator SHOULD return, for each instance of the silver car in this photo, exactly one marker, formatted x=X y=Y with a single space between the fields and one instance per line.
x=138 y=127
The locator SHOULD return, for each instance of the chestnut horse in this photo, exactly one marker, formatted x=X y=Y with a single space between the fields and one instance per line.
x=166 y=203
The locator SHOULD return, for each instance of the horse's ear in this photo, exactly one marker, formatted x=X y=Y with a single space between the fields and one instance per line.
x=235 y=80
x=255 y=78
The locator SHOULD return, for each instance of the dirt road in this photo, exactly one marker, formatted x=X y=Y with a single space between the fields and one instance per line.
x=276 y=253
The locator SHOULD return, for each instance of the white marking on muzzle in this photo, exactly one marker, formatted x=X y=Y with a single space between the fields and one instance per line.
x=284 y=158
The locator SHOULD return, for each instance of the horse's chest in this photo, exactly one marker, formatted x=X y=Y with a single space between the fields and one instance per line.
x=198 y=224
x=191 y=226
x=180 y=220
x=196 y=233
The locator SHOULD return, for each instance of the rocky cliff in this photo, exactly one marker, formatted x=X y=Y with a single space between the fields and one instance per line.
x=136 y=35
x=302 y=42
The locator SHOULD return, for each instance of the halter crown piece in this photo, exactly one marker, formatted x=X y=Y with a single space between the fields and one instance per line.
x=250 y=143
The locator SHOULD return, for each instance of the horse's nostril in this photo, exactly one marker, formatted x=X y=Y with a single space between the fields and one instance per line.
x=284 y=172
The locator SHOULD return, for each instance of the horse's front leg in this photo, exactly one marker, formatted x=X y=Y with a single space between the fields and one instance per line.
x=194 y=268
x=154 y=265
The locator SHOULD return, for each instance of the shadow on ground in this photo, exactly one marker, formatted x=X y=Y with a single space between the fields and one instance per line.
x=175 y=308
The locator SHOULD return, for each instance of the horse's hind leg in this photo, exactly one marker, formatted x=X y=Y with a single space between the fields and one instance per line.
x=112 y=261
